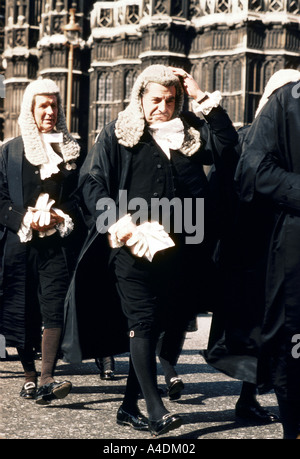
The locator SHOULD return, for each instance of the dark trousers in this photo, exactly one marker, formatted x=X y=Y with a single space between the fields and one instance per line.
x=47 y=279
x=46 y=286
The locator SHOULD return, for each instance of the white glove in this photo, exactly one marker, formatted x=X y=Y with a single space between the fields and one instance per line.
x=149 y=238
x=140 y=243
x=145 y=239
x=41 y=212
x=121 y=231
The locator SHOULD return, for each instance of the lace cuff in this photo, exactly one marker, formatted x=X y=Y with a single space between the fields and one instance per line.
x=208 y=104
x=25 y=231
x=66 y=227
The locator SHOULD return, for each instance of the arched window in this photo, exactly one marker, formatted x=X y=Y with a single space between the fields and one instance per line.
x=218 y=78
x=204 y=82
x=226 y=78
x=197 y=74
x=104 y=96
x=270 y=68
x=103 y=116
x=222 y=77
x=105 y=87
x=236 y=76
x=130 y=78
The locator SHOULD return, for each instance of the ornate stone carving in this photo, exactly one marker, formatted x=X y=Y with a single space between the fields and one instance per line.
x=231 y=45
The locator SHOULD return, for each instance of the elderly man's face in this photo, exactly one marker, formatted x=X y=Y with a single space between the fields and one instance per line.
x=45 y=112
x=158 y=103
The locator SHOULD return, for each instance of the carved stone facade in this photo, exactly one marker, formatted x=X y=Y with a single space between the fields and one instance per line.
x=230 y=45
x=35 y=46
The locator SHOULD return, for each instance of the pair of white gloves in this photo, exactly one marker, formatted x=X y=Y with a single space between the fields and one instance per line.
x=145 y=239
x=45 y=219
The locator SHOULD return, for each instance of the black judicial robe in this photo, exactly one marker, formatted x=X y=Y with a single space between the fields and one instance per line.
x=95 y=325
x=241 y=257
x=270 y=168
x=20 y=186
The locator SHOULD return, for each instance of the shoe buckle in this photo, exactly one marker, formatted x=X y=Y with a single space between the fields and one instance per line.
x=29 y=385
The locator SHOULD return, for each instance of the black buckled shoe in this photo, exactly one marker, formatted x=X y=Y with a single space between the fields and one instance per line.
x=138 y=421
x=175 y=387
x=107 y=375
x=28 y=391
x=165 y=424
x=52 y=391
x=255 y=413
x=106 y=366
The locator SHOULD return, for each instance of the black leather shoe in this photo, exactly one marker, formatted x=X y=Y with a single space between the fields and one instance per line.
x=106 y=366
x=255 y=413
x=165 y=424
x=107 y=375
x=28 y=391
x=174 y=389
x=138 y=421
x=52 y=391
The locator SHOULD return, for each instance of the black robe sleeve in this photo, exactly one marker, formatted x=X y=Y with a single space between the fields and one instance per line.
x=274 y=181
x=265 y=163
x=11 y=213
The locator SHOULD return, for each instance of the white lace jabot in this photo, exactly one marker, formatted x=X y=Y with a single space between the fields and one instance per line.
x=51 y=166
x=169 y=134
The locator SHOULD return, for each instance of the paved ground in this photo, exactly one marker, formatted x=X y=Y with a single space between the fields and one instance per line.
x=89 y=412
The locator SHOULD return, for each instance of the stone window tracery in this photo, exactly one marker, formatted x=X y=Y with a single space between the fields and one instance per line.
x=226 y=78
x=103 y=116
x=293 y=6
x=236 y=76
x=105 y=88
x=105 y=18
x=222 y=76
x=130 y=78
x=256 y=5
x=222 y=6
x=276 y=5
x=132 y=14
x=177 y=8
x=161 y=7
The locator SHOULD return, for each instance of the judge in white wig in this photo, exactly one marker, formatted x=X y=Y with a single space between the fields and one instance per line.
x=151 y=150
x=37 y=176
x=276 y=81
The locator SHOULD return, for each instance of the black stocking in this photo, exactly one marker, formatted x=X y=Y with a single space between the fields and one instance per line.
x=248 y=393
x=132 y=391
x=27 y=359
x=168 y=350
x=289 y=417
x=144 y=361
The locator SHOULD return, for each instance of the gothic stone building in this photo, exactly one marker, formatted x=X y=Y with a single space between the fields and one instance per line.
x=230 y=45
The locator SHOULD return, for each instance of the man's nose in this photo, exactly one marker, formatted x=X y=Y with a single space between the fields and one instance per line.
x=162 y=106
x=49 y=110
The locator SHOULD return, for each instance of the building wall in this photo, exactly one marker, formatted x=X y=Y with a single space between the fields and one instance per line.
x=230 y=45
